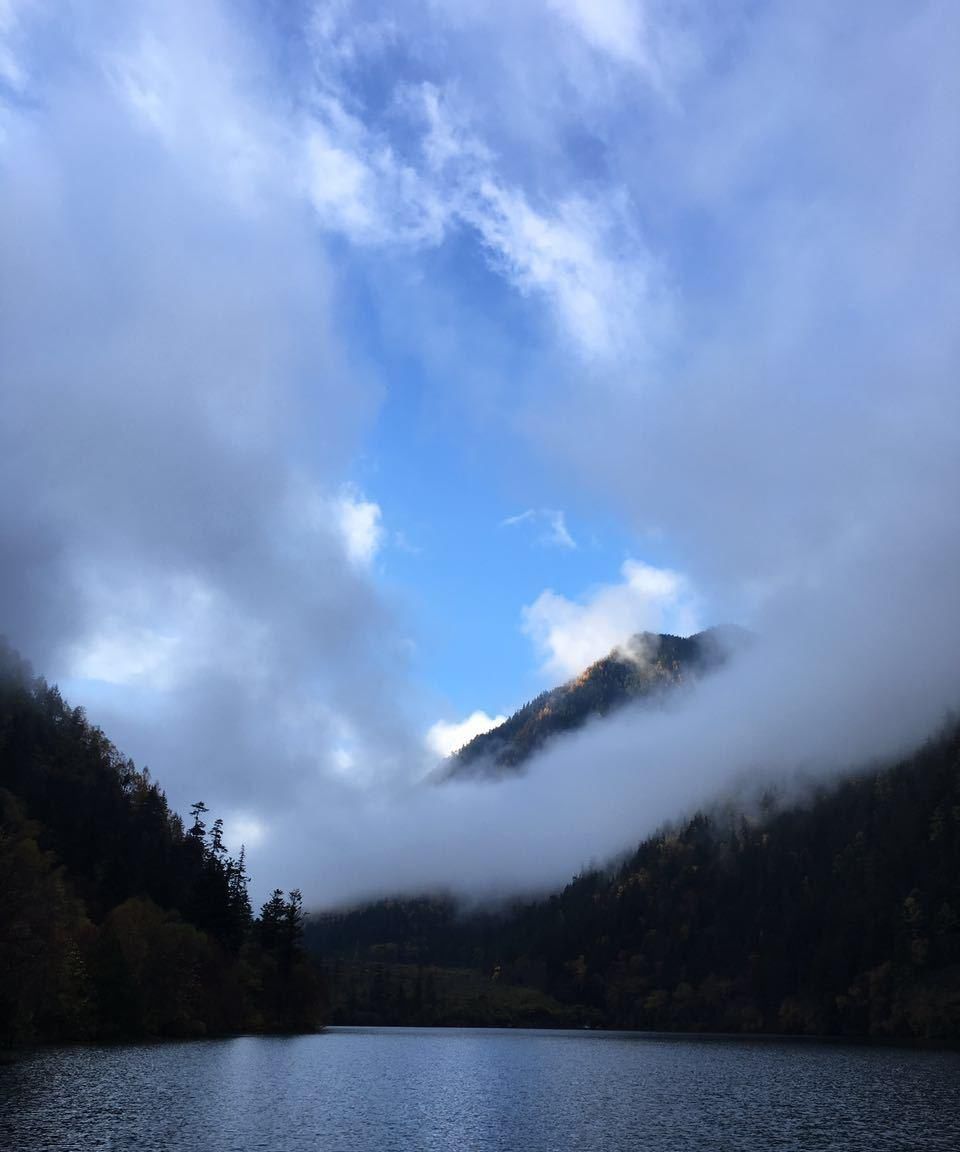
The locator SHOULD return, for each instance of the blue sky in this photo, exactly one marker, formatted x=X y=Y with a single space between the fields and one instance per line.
x=449 y=480
x=369 y=368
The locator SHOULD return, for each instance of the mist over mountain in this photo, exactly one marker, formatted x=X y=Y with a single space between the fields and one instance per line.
x=829 y=909
x=839 y=915
x=363 y=373
x=643 y=669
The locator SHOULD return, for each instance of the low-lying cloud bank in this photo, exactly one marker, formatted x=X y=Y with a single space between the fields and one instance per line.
x=809 y=704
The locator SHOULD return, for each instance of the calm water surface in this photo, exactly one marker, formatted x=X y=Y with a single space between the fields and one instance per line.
x=519 y=1091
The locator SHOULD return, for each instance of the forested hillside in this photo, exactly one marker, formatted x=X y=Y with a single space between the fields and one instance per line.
x=840 y=915
x=647 y=666
x=115 y=920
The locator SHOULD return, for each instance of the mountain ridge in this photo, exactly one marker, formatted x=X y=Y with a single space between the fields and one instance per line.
x=647 y=666
x=834 y=915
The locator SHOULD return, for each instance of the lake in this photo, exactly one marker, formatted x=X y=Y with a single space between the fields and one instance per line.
x=518 y=1091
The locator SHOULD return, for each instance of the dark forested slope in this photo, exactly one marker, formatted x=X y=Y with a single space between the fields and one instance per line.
x=115 y=920
x=840 y=915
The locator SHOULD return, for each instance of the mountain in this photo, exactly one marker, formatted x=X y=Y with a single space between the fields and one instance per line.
x=646 y=666
x=837 y=914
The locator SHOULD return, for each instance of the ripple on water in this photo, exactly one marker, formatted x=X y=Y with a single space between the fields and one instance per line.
x=350 y=1090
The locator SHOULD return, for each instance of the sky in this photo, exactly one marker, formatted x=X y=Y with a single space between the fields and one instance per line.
x=367 y=368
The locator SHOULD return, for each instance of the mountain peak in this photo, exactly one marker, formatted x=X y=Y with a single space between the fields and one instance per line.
x=646 y=665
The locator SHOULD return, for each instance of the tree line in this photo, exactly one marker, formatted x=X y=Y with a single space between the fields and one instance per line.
x=116 y=921
x=836 y=914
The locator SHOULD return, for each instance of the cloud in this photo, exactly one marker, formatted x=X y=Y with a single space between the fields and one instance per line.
x=344 y=38
x=555 y=531
x=775 y=398
x=745 y=228
x=565 y=256
x=446 y=737
x=12 y=71
x=170 y=547
x=361 y=522
x=342 y=188
x=125 y=655
x=365 y=179
x=616 y=28
x=243 y=830
x=569 y=635
x=358 y=186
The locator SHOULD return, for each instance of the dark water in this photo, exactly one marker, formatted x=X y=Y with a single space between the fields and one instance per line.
x=412 y=1089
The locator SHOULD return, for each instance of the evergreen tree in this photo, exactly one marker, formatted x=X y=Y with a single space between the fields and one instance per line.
x=198 y=829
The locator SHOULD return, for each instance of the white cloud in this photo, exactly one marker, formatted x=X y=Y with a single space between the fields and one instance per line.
x=520 y=518
x=567 y=255
x=341 y=188
x=569 y=635
x=241 y=829
x=555 y=531
x=361 y=525
x=338 y=34
x=616 y=28
x=444 y=738
x=353 y=522
x=159 y=632
x=344 y=762
x=359 y=186
x=119 y=655
x=205 y=109
x=12 y=71
x=445 y=140
x=580 y=254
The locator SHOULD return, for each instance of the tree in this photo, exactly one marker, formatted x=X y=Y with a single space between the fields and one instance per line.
x=217 y=850
x=198 y=830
